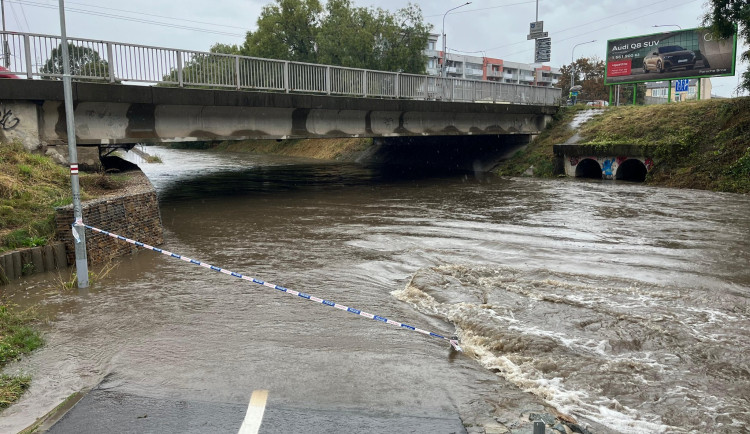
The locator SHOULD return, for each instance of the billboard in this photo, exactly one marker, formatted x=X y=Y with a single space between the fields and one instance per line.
x=690 y=53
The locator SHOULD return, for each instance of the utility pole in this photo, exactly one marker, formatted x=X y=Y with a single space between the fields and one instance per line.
x=6 y=48
x=79 y=231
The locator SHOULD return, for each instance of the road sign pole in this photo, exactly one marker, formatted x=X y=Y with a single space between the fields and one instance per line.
x=79 y=230
x=699 y=88
x=669 y=93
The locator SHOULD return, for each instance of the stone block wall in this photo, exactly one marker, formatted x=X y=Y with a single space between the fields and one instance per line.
x=134 y=214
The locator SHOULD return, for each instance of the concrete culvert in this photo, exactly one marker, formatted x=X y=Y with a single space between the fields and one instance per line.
x=631 y=170
x=588 y=168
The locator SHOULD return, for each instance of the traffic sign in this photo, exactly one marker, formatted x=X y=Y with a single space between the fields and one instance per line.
x=537 y=36
x=543 y=50
x=682 y=85
x=536 y=30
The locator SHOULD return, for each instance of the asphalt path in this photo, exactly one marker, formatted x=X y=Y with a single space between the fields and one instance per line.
x=111 y=411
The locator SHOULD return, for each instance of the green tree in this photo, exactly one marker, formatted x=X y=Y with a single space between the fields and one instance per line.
x=206 y=68
x=286 y=31
x=340 y=34
x=373 y=38
x=84 y=61
x=589 y=74
x=725 y=17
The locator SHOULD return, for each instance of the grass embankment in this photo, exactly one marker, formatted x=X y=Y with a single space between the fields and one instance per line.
x=16 y=338
x=31 y=186
x=699 y=144
x=539 y=152
x=324 y=149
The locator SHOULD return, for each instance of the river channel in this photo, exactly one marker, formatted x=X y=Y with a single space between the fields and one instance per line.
x=622 y=305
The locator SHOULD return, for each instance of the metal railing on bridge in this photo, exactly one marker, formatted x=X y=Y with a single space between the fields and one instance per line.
x=39 y=56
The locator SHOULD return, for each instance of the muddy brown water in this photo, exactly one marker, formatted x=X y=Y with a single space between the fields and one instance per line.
x=622 y=305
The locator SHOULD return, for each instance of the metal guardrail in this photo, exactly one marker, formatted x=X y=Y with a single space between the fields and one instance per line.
x=36 y=56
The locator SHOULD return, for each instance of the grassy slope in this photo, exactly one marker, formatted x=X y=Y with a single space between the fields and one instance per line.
x=16 y=339
x=701 y=144
x=539 y=152
x=31 y=186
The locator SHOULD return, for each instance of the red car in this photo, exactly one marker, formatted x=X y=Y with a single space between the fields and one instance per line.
x=5 y=74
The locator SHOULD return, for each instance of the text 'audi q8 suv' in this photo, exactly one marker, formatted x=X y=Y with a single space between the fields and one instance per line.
x=667 y=58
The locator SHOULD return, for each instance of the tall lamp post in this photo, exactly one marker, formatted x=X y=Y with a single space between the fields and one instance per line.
x=445 y=55
x=6 y=48
x=572 y=62
x=79 y=231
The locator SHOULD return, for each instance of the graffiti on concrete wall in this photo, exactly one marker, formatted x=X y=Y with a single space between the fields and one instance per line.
x=8 y=120
x=607 y=168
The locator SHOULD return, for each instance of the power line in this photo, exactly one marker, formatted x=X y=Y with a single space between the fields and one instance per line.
x=15 y=17
x=124 y=18
x=28 y=29
x=466 y=11
x=157 y=16
x=606 y=27
x=609 y=17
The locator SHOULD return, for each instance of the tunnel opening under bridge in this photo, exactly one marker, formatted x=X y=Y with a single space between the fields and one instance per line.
x=446 y=154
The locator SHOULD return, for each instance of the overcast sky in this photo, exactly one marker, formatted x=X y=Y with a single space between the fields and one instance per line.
x=495 y=28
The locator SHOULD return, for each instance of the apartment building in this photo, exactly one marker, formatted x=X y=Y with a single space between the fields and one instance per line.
x=657 y=92
x=487 y=68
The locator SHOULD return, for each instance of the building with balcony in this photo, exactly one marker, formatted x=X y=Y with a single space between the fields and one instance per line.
x=487 y=68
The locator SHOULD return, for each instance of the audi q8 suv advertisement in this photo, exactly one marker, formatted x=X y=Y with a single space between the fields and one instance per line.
x=668 y=58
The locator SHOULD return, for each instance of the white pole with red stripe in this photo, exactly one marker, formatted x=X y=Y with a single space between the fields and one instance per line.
x=79 y=231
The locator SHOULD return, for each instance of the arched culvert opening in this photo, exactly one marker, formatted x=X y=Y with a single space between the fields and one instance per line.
x=631 y=170
x=588 y=168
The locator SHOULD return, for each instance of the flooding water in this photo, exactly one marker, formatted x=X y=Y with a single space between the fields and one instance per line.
x=622 y=305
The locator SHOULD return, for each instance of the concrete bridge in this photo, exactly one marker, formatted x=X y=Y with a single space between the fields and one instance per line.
x=111 y=114
x=126 y=94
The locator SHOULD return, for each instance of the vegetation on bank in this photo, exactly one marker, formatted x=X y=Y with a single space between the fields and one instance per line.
x=17 y=337
x=538 y=155
x=31 y=186
x=697 y=144
x=325 y=149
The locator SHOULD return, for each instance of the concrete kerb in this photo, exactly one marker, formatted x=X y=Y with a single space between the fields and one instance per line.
x=26 y=262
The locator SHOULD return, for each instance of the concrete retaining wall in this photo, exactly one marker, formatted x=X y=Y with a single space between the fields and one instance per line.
x=608 y=164
x=33 y=260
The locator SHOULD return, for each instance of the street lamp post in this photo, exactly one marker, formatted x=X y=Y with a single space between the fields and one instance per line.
x=445 y=55
x=572 y=62
x=6 y=50
x=667 y=25
x=79 y=231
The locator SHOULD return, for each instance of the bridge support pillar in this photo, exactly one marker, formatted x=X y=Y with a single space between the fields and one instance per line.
x=19 y=121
